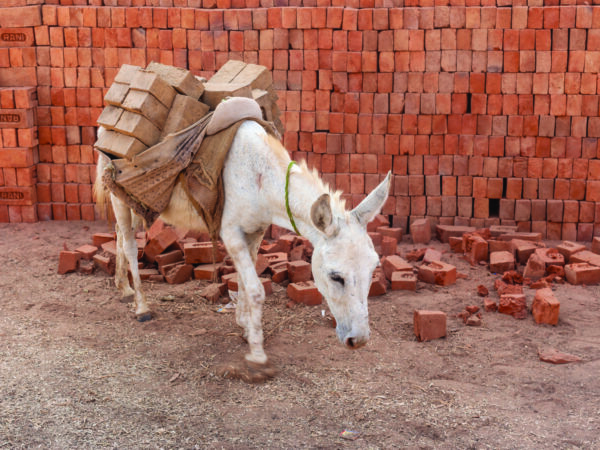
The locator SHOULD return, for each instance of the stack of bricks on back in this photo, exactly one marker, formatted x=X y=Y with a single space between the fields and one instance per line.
x=486 y=112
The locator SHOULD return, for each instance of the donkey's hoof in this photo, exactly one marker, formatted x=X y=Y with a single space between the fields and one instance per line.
x=126 y=299
x=247 y=371
x=145 y=317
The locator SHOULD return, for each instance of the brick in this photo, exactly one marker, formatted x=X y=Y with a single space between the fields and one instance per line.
x=535 y=267
x=553 y=356
x=299 y=271
x=201 y=253
x=476 y=248
x=420 y=231
x=514 y=305
x=68 y=261
x=304 y=292
x=489 y=305
x=169 y=258
x=100 y=238
x=522 y=249
x=582 y=273
x=438 y=272
x=545 y=307
x=378 y=283
x=87 y=251
x=404 y=281
x=429 y=325
x=179 y=274
x=501 y=262
x=568 y=249
x=206 y=271
x=394 y=263
x=445 y=232
x=550 y=256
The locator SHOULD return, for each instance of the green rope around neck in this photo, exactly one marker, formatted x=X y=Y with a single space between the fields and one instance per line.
x=287 y=197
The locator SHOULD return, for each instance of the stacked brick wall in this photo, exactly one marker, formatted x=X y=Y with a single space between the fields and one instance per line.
x=485 y=111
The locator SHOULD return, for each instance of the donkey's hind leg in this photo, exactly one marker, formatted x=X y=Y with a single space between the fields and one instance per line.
x=128 y=247
x=121 y=278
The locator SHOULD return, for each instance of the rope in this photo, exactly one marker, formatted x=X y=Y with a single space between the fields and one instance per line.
x=287 y=197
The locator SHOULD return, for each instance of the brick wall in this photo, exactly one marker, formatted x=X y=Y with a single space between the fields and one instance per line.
x=486 y=111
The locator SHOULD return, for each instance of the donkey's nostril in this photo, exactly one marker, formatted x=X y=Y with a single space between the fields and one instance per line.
x=350 y=342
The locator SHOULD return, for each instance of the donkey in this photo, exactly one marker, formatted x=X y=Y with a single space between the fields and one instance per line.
x=262 y=187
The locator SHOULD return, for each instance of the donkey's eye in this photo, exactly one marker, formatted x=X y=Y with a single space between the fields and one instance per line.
x=337 y=278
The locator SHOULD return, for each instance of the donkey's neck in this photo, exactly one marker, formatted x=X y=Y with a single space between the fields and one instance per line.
x=302 y=193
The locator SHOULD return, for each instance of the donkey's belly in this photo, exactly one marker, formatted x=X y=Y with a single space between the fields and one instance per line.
x=181 y=213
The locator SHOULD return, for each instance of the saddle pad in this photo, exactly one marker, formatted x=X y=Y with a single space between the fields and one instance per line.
x=233 y=110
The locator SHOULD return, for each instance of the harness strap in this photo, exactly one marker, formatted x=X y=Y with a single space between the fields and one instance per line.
x=287 y=197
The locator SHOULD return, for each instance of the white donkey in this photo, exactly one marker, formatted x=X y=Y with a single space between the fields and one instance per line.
x=255 y=174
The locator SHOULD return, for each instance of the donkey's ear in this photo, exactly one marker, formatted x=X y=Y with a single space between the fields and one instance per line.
x=321 y=215
x=370 y=206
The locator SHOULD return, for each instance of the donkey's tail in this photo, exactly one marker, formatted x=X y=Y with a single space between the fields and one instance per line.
x=101 y=194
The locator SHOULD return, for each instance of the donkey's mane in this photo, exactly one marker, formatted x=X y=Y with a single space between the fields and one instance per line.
x=337 y=202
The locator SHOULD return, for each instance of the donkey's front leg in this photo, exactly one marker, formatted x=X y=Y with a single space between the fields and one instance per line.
x=251 y=294
x=129 y=247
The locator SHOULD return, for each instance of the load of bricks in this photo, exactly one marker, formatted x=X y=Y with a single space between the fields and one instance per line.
x=146 y=105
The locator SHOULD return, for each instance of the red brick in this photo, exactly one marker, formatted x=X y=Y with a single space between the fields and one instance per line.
x=406 y=281
x=429 y=325
x=514 y=305
x=169 y=258
x=582 y=273
x=100 y=238
x=420 y=231
x=299 y=271
x=501 y=262
x=206 y=271
x=68 y=261
x=394 y=263
x=179 y=274
x=545 y=307
x=200 y=253
x=304 y=292
x=438 y=273
x=87 y=251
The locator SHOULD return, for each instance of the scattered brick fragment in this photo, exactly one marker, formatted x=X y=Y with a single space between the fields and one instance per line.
x=514 y=305
x=415 y=255
x=299 y=271
x=378 y=283
x=482 y=291
x=474 y=321
x=429 y=325
x=212 y=293
x=394 y=263
x=489 y=305
x=159 y=243
x=472 y=309
x=553 y=356
x=535 y=268
x=87 y=251
x=179 y=274
x=432 y=255
x=105 y=263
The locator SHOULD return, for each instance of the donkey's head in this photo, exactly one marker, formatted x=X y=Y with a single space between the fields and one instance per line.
x=343 y=262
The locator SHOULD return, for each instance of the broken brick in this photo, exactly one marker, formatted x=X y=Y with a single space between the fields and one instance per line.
x=555 y=357
x=105 y=262
x=514 y=305
x=445 y=232
x=212 y=293
x=535 y=267
x=100 y=238
x=378 y=283
x=429 y=325
x=179 y=274
x=68 y=261
x=432 y=255
x=489 y=305
x=550 y=256
x=476 y=248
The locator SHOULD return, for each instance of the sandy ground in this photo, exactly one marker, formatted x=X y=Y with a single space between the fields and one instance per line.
x=77 y=371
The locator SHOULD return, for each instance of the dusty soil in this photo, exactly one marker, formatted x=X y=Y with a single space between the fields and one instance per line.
x=77 y=371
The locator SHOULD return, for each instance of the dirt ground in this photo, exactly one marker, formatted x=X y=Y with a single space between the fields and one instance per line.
x=78 y=371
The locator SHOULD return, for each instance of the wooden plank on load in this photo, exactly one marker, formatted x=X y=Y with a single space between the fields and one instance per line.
x=110 y=116
x=126 y=73
x=139 y=127
x=215 y=92
x=146 y=104
x=255 y=76
x=182 y=80
x=153 y=83
x=116 y=94
x=184 y=112
x=119 y=145
x=228 y=71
